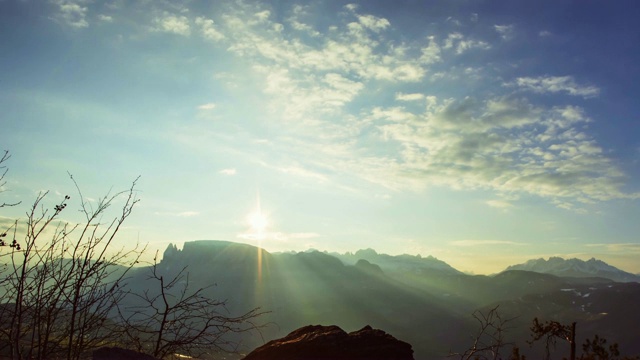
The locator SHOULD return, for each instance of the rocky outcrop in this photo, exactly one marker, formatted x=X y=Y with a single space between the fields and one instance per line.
x=316 y=342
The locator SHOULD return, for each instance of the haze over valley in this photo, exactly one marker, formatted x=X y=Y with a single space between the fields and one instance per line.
x=422 y=301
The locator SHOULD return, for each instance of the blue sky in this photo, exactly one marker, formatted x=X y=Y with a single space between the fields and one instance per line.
x=484 y=133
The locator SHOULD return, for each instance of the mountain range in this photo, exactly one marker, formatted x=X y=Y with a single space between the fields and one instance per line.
x=576 y=268
x=420 y=300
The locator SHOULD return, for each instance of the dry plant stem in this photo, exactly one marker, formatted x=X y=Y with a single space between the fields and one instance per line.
x=171 y=319
x=490 y=338
x=552 y=330
x=3 y=172
x=65 y=279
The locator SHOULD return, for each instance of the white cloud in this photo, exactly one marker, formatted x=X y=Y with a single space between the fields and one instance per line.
x=301 y=99
x=499 y=143
x=173 y=24
x=351 y=7
x=71 y=12
x=544 y=33
x=460 y=44
x=449 y=41
x=353 y=50
x=208 y=29
x=188 y=214
x=409 y=97
x=503 y=144
x=229 y=172
x=373 y=23
x=105 y=18
x=506 y=32
x=207 y=106
x=431 y=53
x=555 y=84
x=302 y=172
x=345 y=88
x=454 y=21
x=297 y=23
x=262 y=16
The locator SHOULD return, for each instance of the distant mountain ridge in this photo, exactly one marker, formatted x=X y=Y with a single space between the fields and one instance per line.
x=421 y=300
x=576 y=268
x=414 y=263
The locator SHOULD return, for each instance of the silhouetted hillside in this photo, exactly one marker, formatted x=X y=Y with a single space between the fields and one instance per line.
x=423 y=301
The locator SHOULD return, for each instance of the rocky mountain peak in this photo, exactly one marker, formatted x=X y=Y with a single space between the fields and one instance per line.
x=575 y=268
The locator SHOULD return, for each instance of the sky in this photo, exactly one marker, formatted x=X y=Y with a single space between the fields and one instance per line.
x=483 y=133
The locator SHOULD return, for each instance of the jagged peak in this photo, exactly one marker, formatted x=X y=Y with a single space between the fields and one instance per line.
x=366 y=252
x=171 y=251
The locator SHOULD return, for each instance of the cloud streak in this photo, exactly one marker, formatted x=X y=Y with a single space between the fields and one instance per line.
x=471 y=243
x=228 y=172
x=555 y=84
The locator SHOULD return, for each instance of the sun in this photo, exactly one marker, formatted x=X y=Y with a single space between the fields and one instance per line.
x=258 y=221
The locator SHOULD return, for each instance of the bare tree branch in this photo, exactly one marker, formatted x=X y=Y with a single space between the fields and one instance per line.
x=64 y=280
x=171 y=319
x=3 y=172
x=489 y=341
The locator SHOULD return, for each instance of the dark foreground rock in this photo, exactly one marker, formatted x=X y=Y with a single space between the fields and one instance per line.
x=316 y=342
x=116 y=353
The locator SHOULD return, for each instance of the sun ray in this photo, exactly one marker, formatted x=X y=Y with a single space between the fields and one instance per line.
x=258 y=223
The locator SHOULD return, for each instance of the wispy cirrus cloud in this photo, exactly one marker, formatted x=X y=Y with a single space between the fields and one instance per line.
x=503 y=143
x=207 y=106
x=469 y=243
x=555 y=84
x=105 y=18
x=461 y=43
x=351 y=49
x=297 y=22
x=409 y=97
x=506 y=32
x=313 y=79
